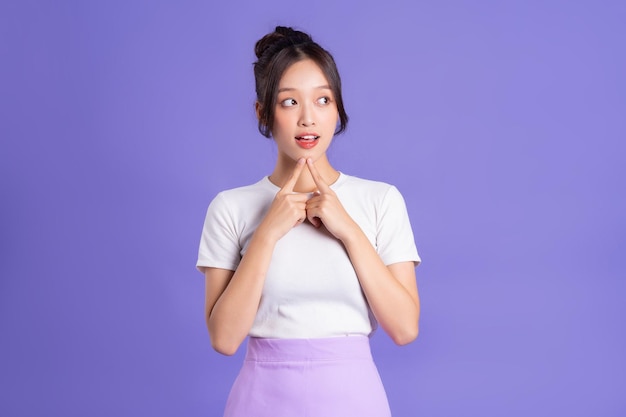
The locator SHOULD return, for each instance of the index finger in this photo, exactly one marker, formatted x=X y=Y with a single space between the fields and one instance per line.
x=291 y=182
x=317 y=178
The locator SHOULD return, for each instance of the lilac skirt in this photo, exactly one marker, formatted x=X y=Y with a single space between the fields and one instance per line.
x=330 y=377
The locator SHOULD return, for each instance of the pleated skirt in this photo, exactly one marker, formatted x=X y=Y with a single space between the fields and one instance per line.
x=329 y=377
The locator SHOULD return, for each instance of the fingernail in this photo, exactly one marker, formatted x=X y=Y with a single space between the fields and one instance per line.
x=301 y=161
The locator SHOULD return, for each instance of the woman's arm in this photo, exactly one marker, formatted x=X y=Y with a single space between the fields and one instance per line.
x=391 y=291
x=232 y=297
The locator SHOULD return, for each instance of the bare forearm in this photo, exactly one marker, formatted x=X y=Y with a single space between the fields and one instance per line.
x=233 y=314
x=390 y=291
x=395 y=306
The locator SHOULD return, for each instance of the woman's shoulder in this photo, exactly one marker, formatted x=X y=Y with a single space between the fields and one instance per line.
x=353 y=184
x=243 y=197
x=259 y=188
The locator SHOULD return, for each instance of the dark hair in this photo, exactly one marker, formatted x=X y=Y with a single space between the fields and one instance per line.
x=276 y=52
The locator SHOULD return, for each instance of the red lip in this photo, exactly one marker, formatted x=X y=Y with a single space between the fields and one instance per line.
x=307 y=140
x=307 y=144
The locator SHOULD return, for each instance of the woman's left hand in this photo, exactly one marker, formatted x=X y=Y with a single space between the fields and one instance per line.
x=325 y=208
x=391 y=291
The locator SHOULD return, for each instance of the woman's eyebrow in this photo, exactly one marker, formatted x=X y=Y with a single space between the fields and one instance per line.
x=321 y=87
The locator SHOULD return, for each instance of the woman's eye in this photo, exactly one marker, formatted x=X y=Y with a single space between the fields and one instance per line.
x=288 y=102
x=323 y=100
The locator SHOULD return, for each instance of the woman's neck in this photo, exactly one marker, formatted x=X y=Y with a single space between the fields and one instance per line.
x=305 y=184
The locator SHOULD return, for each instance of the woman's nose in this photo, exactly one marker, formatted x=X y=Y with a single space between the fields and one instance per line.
x=306 y=116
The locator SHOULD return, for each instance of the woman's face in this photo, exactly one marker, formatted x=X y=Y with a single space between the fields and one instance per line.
x=306 y=114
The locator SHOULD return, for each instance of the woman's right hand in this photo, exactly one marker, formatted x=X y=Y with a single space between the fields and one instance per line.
x=287 y=210
x=232 y=297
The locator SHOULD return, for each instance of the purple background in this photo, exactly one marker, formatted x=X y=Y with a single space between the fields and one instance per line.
x=502 y=123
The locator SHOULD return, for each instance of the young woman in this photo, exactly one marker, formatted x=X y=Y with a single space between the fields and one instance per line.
x=307 y=261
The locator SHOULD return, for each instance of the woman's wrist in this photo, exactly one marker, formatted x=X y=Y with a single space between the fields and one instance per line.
x=353 y=235
x=264 y=237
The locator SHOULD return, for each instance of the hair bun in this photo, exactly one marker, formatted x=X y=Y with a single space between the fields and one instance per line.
x=281 y=37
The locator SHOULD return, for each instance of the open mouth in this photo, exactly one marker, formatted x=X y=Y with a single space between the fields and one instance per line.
x=307 y=137
x=307 y=141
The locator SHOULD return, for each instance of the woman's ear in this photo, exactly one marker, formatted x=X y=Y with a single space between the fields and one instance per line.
x=257 y=110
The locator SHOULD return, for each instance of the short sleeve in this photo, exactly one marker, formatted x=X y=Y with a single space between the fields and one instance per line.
x=219 y=244
x=394 y=236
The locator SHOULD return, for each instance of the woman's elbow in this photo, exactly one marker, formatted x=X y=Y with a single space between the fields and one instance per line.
x=406 y=336
x=223 y=347
x=222 y=343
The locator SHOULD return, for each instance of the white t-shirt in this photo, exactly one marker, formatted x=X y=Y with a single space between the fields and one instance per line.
x=311 y=289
